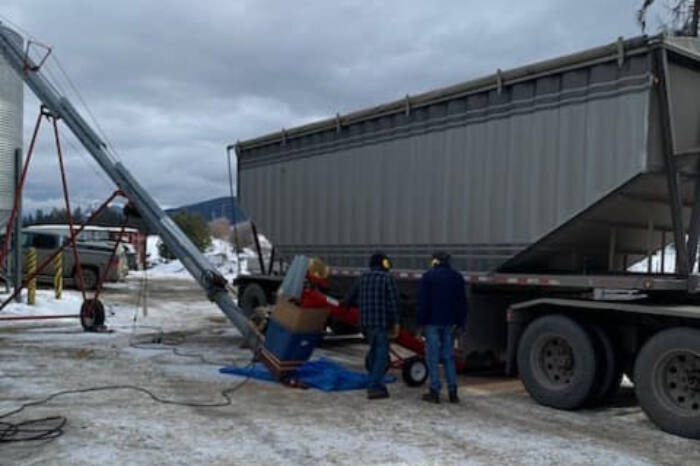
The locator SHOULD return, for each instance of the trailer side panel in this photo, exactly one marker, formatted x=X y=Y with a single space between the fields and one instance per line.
x=482 y=174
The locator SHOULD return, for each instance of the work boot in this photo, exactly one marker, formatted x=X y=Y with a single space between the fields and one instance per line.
x=432 y=397
x=453 y=396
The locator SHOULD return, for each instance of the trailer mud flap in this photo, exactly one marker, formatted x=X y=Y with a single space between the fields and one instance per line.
x=516 y=325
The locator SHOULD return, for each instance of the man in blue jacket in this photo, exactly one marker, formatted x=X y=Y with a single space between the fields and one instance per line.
x=377 y=296
x=442 y=309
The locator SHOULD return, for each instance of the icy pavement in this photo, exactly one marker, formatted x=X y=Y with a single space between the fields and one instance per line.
x=174 y=348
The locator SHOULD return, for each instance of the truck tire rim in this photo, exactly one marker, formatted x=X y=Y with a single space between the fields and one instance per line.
x=678 y=380
x=555 y=361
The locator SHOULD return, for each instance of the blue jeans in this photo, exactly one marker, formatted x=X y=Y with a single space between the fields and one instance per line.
x=440 y=347
x=377 y=358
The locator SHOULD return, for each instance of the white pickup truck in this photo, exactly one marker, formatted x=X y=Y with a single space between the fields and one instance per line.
x=94 y=257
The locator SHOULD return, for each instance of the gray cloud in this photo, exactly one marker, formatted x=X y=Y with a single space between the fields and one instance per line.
x=172 y=83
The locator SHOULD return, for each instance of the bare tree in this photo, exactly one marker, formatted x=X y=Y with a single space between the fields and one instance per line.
x=683 y=15
x=220 y=228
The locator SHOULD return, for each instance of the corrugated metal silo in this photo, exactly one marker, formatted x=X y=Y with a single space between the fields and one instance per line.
x=11 y=106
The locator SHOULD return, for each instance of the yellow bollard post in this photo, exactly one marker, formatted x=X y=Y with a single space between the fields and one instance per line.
x=31 y=270
x=58 y=275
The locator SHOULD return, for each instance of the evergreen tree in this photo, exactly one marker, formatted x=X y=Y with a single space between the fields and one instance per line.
x=78 y=215
x=109 y=217
x=196 y=229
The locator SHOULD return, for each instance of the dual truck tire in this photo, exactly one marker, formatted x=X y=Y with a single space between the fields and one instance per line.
x=667 y=380
x=568 y=365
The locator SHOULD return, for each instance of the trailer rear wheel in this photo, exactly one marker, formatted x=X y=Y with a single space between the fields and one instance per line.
x=414 y=371
x=609 y=371
x=253 y=297
x=557 y=362
x=667 y=380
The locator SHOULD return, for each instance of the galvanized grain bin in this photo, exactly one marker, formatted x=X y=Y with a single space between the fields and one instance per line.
x=555 y=166
x=11 y=106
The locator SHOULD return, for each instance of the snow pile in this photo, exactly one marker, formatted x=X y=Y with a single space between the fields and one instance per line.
x=46 y=304
x=220 y=254
x=669 y=262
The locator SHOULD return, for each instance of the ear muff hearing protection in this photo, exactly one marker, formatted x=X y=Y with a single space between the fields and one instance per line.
x=440 y=258
x=386 y=263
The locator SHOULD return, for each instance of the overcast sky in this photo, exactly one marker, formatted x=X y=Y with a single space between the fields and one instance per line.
x=172 y=83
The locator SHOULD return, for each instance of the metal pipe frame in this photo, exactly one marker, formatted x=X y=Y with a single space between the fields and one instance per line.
x=668 y=140
x=66 y=198
x=17 y=256
x=50 y=259
x=694 y=226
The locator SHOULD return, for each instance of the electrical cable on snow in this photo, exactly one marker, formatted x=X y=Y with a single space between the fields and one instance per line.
x=49 y=428
x=22 y=431
x=35 y=429
x=159 y=341
x=45 y=428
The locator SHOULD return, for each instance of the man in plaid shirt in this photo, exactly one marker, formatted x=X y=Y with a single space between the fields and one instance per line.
x=377 y=296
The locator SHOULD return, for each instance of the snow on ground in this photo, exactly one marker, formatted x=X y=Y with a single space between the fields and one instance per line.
x=268 y=423
x=496 y=423
x=221 y=254
x=46 y=304
x=174 y=345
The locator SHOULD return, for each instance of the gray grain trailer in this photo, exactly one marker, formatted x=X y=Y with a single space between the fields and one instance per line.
x=546 y=183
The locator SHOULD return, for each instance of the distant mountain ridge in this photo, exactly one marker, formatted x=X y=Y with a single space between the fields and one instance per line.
x=213 y=209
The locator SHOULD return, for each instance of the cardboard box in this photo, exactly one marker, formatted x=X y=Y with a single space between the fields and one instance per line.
x=297 y=319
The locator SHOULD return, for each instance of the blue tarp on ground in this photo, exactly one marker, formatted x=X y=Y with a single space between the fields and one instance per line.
x=323 y=373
